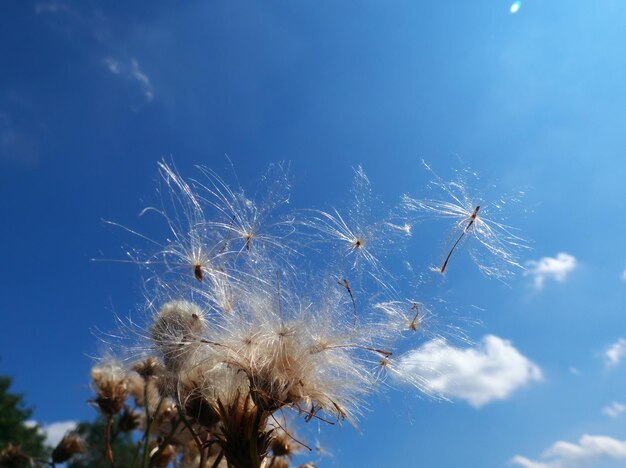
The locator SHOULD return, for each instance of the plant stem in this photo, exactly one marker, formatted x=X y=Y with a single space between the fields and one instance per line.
x=144 y=462
x=196 y=437
x=218 y=459
x=108 y=451
x=167 y=439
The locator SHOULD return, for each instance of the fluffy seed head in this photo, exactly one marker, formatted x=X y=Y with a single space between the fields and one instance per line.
x=260 y=333
x=177 y=329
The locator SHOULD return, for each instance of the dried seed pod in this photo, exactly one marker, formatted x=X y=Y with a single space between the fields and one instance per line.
x=148 y=368
x=111 y=386
x=70 y=445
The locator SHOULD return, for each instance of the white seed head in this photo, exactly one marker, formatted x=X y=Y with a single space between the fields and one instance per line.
x=177 y=330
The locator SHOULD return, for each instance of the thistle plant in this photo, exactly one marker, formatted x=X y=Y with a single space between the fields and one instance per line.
x=258 y=314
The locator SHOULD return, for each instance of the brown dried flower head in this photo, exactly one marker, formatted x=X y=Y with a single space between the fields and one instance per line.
x=281 y=445
x=149 y=368
x=70 y=445
x=111 y=387
x=12 y=456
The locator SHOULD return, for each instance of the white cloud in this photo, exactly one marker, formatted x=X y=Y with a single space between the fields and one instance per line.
x=590 y=448
x=624 y=275
x=557 y=268
x=614 y=353
x=526 y=463
x=574 y=371
x=132 y=72
x=614 y=409
x=54 y=432
x=490 y=371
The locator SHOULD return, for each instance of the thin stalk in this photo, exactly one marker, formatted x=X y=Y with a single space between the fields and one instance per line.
x=218 y=459
x=288 y=435
x=144 y=462
x=366 y=348
x=150 y=419
x=346 y=284
x=167 y=439
x=196 y=437
x=108 y=451
x=469 y=225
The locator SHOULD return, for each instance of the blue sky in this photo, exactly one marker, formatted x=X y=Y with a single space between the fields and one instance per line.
x=93 y=94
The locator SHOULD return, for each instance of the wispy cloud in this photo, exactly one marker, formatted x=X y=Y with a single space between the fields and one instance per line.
x=589 y=449
x=88 y=24
x=113 y=65
x=16 y=145
x=51 y=7
x=54 y=432
x=490 y=371
x=557 y=268
x=614 y=409
x=624 y=275
x=77 y=22
x=132 y=72
x=615 y=352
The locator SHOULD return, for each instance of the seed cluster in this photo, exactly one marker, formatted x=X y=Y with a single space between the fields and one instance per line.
x=257 y=311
